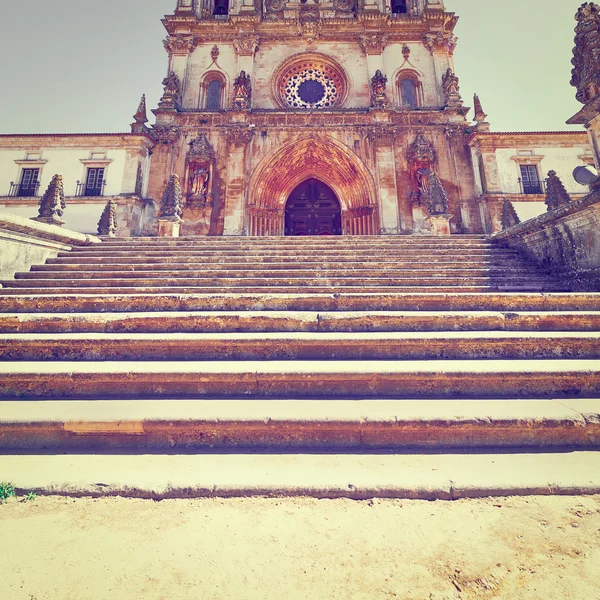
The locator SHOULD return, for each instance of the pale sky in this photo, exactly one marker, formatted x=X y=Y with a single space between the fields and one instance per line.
x=82 y=65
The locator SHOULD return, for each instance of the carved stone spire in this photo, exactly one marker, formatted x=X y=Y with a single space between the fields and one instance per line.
x=52 y=203
x=586 y=54
x=480 y=116
x=510 y=218
x=140 y=117
x=432 y=192
x=451 y=89
x=107 y=225
x=556 y=194
x=171 y=205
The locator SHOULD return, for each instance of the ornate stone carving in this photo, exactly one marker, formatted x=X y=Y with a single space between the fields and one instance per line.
x=451 y=89
x=214 y=53
x=372 y=43
x=107 y=225
x=510 y=218
x=180 y=44
x=165 y=134
x=421 y=152
x=431 y=192
x=239 y=135
x=556 y=194
x=378 y=90
x=441 y=42
x=309 y=22
x=586 y=54
x=406 y=52
x=274 y=8
x=140 y=117
x=344 y=6
x=242 y=92
x=170 y=97
x=200 y=149
x=52 y=204
x=171 y=205
x=380 y=133
x=247 y=44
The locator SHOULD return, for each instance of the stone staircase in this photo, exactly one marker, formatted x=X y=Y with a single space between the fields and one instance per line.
x=381 y=347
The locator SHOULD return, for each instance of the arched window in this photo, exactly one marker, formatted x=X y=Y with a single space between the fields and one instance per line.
x=211 y=91
x=410 y=91
x=399 y=7
x=221 y=7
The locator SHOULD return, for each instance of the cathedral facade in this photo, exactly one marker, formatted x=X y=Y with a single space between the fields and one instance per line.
x=299 y=117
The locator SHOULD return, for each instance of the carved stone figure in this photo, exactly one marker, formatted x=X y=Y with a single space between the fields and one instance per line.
x=378 y=90
x=556 y=194
x=451 y=89
x=509 y=215
x=199 y=178
x=242 y=92
x=52 y=204
x=170 y=97
x=586 y=54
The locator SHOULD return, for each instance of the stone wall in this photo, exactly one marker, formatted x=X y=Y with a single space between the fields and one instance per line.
x=566 y=241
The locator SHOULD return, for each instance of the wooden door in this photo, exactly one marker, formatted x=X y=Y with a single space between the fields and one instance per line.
x=313 y=209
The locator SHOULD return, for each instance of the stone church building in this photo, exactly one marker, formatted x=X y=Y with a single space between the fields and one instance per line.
x=300 y=118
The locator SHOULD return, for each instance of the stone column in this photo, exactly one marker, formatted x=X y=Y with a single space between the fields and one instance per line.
x=385 y=165
x=238 y=138
x=246 y=46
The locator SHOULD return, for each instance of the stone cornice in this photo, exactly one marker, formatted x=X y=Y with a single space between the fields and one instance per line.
x=512 y=139
x=76 y=140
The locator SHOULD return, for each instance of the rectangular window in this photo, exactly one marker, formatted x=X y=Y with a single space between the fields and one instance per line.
x=530 y=179
x=29 y=182
x=94 y=183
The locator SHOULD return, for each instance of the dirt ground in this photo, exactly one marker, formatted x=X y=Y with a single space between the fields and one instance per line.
x=519 y=548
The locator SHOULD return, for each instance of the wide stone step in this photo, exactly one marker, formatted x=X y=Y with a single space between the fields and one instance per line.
x=379 y=379
x=296 y=321
x=442 y=476
x=27 y=301
x=300 y=346
x=288 y=425
x=291 y=273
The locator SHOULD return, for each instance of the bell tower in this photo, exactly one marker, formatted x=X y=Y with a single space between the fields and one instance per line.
x=277 y=93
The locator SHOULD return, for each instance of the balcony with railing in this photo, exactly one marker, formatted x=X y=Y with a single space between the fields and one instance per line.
x=22 y=190
x=87 y=190
x=532 y=186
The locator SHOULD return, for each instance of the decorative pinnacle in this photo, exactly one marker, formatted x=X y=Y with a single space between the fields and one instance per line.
x=510 y=218
x=171 y=205
x=52 y=203
x=556 y=194
x=141 y=115
x=479 y=116
x=107 y=225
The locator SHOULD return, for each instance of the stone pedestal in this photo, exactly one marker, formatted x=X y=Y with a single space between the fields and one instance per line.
x=440 y=224
x=49 y=220
x=169 y=227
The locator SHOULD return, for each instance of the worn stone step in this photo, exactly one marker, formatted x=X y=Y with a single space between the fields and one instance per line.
x=287 y=425
x=234 y=321
x=28 y=301
x=291 y=273
x=300 y=346
x=377 y=379
x=449 y=476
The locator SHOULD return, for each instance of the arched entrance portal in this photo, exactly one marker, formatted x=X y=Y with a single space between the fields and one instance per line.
x=313 y=209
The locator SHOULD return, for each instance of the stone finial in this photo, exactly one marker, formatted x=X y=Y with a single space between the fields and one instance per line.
x=140 y=117
x=214 y=53
x=556 y=194
x=406 y=52
x=170 y=97
x=510 y=218
x=107 y=225
x=171 y=205
x=52 y=204
x=586 y=53
x=242 y=92
x=479 y=116
x=378 y=90
x=451 y=89
x=431 y=192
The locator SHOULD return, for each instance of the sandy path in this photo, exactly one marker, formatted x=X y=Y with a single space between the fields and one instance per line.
x=515 y=548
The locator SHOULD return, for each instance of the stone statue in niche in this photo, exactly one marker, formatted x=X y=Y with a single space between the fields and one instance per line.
x=378 y=90
x=199 y=182
x=451 y=89
x=170 y=97
x=242 y=92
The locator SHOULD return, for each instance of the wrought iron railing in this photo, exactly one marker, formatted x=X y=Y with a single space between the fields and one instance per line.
x=18 y=190
x=83 y=189
x=529 y=186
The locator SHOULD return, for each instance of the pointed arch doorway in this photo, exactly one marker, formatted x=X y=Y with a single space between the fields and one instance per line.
x=313 y=209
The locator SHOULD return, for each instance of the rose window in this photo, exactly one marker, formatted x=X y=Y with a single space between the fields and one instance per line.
x=310 y=81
